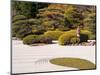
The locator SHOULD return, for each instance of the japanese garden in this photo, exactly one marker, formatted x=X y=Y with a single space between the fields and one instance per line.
x=52 y=36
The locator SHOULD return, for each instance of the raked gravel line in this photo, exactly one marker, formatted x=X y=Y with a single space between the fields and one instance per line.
x=36 y=58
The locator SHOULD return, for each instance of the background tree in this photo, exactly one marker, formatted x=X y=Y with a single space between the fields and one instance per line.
x=29 y=9
x=37 y=18
x=53 y=16
x=74 y=16
x=90 y=19
x=62 y=16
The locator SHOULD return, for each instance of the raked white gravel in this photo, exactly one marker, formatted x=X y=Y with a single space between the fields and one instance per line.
x=27 y=58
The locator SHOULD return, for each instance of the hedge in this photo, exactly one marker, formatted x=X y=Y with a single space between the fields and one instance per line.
x=70 y=37
x=65 y=38
x=86 y=32
x=54 y=35
x=75 y=40
x=31 y=39
x=45 y=39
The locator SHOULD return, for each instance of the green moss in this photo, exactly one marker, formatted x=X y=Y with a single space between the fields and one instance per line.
x=73 y=62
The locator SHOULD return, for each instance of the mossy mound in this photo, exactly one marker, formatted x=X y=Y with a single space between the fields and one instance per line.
x=73 y=62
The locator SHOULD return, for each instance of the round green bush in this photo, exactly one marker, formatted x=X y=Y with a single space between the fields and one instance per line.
x=65 y=38
x=92 y=37
x=54 y=35
x=45 y=39
x=86 y=32
x=75 y=40
x=83 y=37
x=70 y=37
x=31 y=39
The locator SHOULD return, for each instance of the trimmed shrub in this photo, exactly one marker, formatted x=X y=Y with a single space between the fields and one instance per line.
x=22 y=31
x=54 y=35
x=20 y=22
x=83 y=37
x=45 y=39
x=20 y=27
x=75 y=40
x=65 y=38
x=19 y=17
x=72 y=32
x=38 y=29
x=34 y=21
x=86 y=32
x=31 y=39
x=92 y=37
x=70 y=37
